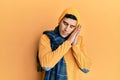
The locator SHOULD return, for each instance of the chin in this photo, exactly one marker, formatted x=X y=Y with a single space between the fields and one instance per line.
x=64 y=36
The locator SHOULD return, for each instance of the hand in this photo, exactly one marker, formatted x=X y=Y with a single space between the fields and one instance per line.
x=73 y=37
x=77 y=34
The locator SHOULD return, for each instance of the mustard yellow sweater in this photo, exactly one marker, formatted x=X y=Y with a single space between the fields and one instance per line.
x=75 y=56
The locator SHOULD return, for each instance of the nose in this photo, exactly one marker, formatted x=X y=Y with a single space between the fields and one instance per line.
x=67 y=28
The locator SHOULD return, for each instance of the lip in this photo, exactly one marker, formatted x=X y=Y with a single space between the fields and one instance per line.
x=64 y=32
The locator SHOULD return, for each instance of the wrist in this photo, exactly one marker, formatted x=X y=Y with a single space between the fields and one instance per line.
x=69 y=41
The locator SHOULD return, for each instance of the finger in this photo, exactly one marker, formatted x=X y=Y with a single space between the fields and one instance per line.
x=77 y=30
x=79 y=26
x=74 y=32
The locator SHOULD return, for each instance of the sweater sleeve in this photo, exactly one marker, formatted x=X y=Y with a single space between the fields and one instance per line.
x=81 y=56
x=49 y=58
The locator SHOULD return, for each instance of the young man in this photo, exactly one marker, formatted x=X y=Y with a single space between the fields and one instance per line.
x=61 y=51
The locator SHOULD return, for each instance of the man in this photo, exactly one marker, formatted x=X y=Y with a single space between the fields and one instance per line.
x=61 y=51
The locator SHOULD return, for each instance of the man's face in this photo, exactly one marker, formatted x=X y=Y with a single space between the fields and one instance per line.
x=67 y=26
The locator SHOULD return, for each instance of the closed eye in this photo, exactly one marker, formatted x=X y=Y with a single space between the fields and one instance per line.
x=72 y=26
x=65 y=23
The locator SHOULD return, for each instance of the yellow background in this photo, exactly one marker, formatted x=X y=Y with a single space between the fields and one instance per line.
x=22 y=22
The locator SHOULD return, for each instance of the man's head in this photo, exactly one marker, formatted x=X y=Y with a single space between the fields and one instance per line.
x=68 y=21
x=67 y=25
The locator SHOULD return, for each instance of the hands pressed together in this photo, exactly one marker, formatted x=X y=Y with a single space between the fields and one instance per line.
x=74 y=36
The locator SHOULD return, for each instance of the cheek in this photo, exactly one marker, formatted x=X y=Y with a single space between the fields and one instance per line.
x=62 y=26
x=71 y=30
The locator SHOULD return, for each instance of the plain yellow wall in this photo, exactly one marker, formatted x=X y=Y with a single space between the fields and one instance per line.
x=22 y=22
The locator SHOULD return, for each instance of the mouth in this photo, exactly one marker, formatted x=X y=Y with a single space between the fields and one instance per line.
x=64 y=33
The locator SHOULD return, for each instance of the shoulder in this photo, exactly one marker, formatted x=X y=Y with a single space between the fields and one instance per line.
x=44 y=37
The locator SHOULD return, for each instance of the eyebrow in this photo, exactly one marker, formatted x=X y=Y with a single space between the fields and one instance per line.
x=68 y=23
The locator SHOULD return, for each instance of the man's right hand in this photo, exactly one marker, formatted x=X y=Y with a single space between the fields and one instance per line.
x=74 y=34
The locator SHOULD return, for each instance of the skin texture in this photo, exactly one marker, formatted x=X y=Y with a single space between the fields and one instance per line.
x=67 y=26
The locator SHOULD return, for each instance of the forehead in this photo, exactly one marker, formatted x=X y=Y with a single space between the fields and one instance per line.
x=70 y=21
